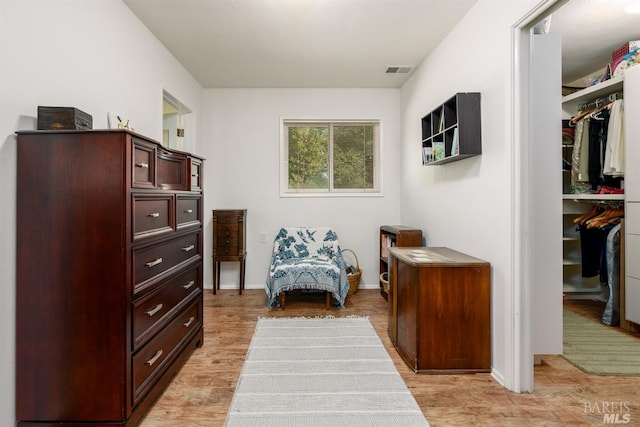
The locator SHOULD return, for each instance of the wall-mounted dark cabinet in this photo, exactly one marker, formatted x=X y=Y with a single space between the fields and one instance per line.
x=452 y=131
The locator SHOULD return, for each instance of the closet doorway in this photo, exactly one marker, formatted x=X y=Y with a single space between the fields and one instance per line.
x=590 y=30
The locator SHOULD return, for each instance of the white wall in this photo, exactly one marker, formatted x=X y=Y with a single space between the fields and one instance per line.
x=466 y=205
x=241 y=128
x=91 y=54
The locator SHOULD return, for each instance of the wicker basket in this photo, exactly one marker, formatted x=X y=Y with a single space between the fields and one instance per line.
x=354 y=278
x=384 y=278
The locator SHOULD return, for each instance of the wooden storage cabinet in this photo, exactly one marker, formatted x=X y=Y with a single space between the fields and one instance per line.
x=229 y=242
x=452 y=131
x=109 y=286
x=440 y=310
x=398 y=236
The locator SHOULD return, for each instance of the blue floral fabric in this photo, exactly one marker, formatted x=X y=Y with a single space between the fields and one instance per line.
x=307 y=258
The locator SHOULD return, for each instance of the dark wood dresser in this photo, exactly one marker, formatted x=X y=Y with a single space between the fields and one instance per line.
x=229 y=242
x=109 y=274
x=440 y=310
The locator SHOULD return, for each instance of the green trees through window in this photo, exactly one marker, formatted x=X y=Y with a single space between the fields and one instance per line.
x=332 y=156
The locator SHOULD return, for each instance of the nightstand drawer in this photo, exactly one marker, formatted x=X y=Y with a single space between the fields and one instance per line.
x=151 y=312
x=151 y=360
x=152 y=261
x=151 y=215
x=188 y=211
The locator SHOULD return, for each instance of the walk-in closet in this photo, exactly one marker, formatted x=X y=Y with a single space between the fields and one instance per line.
x=601 y=185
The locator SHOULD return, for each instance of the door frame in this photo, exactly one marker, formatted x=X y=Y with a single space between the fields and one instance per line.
x=520 y=322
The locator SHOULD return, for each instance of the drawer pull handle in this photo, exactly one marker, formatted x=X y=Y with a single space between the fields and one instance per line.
x=154 y=215
x=154 y=310
x=155 y=357
x=189 y=322
x=190 y=284
x=188 y=248
x=154 y=262
x=188 y=211
x=143 y=165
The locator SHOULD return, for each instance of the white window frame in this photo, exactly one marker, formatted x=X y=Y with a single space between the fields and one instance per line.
x=285 y=191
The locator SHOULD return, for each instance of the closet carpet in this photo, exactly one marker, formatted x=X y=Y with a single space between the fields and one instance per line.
x=201 y=393
x=597 y=348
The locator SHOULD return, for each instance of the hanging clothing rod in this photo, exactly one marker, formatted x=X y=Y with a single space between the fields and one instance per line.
x=598 y=102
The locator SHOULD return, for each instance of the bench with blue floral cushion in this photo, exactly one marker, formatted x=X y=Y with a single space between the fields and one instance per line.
x=306 y=258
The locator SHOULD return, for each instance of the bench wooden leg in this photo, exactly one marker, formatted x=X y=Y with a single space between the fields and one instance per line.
x=283 y=299
x=328 y=299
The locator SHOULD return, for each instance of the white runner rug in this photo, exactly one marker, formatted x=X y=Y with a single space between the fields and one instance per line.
x=320 y=372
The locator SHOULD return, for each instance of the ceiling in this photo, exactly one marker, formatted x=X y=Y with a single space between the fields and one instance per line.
x=349 y=43
x=299 y=43
x=591 y=30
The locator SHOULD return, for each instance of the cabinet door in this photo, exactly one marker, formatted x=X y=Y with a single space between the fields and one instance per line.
x=632 y=190
x=632 y=134
x=454 y=318
x=407 y=310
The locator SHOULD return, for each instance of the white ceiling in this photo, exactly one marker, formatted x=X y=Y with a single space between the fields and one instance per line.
x=349 y=43
x=299 y=43
x=591 y=30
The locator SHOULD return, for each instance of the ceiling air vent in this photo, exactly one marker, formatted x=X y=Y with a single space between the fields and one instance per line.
x=398 y=69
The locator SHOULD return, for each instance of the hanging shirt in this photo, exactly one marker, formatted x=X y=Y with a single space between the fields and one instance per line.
x=614 y=152
x=583 y=167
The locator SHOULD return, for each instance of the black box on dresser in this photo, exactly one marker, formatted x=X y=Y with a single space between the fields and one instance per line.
x=63 y=118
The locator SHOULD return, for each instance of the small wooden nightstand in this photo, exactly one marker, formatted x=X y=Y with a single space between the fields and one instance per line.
x=229 y=244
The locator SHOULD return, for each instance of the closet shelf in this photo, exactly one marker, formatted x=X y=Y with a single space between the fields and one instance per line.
x=595 y=91
x=595 y=197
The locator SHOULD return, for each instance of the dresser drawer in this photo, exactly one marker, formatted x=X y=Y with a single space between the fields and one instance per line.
x=151 y=312
x=173 y=171
x=188 y=211
x=196 y=175
x=152 y=261
x=153 y=358
x=144 y=164
x=152 y=214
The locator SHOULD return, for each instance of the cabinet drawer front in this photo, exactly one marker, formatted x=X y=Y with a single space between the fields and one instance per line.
x=632 y=211
x=149 y=363
x=227 y=229
x=151 y=215
x=227 y=218
x=172 y=171
x=196 y=171
x=151 y=312
x=188 y=211
x=144 y=164
x=150 y=262
x=632 y=249
x=227 y=242
x=226 y=251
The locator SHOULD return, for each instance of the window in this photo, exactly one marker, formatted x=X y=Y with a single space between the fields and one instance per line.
x=323 y=157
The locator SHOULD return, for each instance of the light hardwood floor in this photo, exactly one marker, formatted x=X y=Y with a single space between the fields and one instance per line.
x=201 y=392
